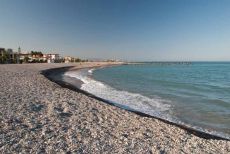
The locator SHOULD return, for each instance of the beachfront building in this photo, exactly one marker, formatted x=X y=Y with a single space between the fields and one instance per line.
x=2 y=50
x=68 y=59
x=51 y=58
x=2 y=55
x=32 y=57
x=38 y=57
x=10 y=56
x=25 y=57
x=36 y=54
x=7 y=56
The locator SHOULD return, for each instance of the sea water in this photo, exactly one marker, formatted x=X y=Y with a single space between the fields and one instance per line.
x=195 y=94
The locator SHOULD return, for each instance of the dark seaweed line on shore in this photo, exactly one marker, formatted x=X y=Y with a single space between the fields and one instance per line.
x=61 y=70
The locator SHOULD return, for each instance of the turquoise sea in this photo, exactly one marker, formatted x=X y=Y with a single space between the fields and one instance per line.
x=195 y=94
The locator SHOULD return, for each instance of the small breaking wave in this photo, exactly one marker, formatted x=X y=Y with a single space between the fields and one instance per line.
x=91 y=71
x=152 y=106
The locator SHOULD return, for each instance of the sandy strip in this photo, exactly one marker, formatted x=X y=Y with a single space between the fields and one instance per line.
x=38 y=115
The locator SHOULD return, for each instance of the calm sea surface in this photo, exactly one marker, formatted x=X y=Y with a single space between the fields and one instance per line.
x=197 y=94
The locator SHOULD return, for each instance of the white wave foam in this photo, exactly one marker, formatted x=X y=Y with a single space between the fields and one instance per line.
x=91 y=70
x=134 y=101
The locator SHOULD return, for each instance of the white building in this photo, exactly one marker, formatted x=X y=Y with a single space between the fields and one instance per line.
x=51 y=58
x=68 y=59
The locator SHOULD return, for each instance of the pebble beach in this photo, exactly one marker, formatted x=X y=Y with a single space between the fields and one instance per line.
x=40 y=116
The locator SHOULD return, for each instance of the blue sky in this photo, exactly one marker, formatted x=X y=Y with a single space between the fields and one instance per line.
x=120 y=29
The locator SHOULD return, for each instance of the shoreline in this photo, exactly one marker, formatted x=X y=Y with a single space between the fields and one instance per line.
x=75 y=87
x=41 y=116
x=57 y=74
